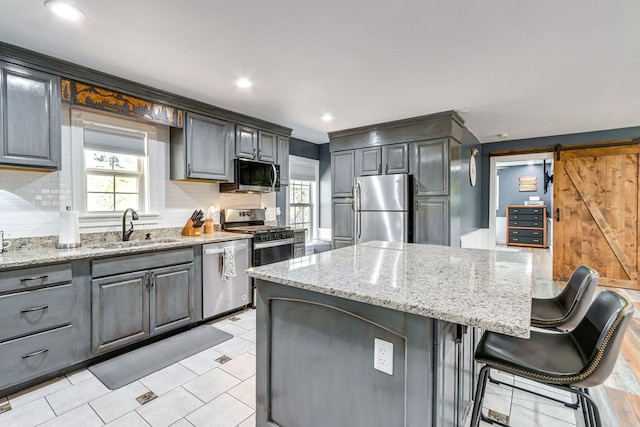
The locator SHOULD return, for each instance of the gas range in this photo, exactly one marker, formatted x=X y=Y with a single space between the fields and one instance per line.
x=252 y=221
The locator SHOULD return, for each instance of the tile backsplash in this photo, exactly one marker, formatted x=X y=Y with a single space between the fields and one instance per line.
x=30 y=201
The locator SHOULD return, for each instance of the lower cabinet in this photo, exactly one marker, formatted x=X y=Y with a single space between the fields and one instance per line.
x=431 y=221
x=37 y=318
x=456 y=377
x=132 y=306
x=343 y=229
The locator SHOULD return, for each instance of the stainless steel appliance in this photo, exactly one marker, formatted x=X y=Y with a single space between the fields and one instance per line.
x=253 y=177
x=220 y=295
x=382 y=208
x=271 y=243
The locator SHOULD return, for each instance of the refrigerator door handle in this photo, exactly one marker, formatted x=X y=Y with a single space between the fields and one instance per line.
x=359 y=211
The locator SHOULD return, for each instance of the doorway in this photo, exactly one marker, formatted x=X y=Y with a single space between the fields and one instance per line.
x=507 y=174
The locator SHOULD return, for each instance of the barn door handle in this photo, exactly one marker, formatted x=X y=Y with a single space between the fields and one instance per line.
x=557 y=214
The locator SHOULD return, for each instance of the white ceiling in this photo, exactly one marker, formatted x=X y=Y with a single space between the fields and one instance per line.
x=521 y=67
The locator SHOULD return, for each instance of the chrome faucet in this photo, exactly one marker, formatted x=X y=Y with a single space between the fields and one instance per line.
x=126 y=234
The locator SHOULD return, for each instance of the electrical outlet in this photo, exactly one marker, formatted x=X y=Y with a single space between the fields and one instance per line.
x=383 y=356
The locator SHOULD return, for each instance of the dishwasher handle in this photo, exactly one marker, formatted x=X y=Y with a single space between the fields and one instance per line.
x=214 y=251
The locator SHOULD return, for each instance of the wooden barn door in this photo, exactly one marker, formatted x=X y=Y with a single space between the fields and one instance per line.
x=595 y=221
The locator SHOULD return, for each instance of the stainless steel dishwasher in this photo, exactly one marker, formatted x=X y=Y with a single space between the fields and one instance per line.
x=218 y=295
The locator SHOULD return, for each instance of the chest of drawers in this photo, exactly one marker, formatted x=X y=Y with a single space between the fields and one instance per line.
x=527 y=226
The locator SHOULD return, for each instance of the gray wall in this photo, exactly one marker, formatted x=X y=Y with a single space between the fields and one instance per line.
x=300 y=148
x=470 y=213
x=576 y=138
x=510 y=193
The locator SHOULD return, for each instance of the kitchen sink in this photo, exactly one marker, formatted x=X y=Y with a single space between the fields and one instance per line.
x=129 y=244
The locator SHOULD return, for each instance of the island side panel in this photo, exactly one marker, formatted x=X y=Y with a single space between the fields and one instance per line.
x=315 y=356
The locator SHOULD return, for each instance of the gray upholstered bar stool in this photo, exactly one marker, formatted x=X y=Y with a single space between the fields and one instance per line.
x=565 y=310
x=572 y=360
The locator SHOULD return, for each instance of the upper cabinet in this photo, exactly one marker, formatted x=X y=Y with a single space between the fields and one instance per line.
x=431 y=167
x=203 y=149
x=283 y=159
x=30 y=118
x=342 y=168
x=255 y=145
x=387 y=159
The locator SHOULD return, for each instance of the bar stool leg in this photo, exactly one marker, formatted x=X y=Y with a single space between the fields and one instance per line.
x=477 y=403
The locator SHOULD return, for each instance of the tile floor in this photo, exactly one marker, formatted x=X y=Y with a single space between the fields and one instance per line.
x=198 y=391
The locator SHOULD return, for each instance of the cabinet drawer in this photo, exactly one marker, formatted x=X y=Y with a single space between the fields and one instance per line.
x=519 y=223
x=27 y=278
x=526 y=240
x=35 y=355
x=523 y=232
x=31 y=311
x=298 y=237
x=526 y=211
x=523 y=217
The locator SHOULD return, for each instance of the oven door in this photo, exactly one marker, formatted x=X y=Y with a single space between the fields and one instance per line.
x=272 y=251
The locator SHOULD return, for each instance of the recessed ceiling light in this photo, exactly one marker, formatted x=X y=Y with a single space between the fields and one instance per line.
x=327 y=117
x=503 y=135
x=463 y=111
x=64 y=10
x=244 y=83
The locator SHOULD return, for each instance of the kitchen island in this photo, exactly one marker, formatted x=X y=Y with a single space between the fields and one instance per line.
x=319 y=318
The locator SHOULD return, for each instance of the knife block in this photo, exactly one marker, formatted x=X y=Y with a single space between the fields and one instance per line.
x=190 y=230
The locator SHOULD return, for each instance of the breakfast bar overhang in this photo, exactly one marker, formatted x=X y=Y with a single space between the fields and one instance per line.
x=321 y=319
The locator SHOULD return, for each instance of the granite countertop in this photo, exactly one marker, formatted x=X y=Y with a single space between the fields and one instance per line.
x=49 y=254
x=474 y=287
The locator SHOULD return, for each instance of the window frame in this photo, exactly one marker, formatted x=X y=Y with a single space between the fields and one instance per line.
x=148 y=212
x=315 y=193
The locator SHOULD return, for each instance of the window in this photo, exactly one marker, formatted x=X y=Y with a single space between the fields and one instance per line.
x=111 y=171
x=114 y=170
x=300 y=206
x=303 y=195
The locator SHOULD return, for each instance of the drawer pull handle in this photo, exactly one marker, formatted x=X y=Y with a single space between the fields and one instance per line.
x=33 y=279
x=35 y=353
x=27 y=310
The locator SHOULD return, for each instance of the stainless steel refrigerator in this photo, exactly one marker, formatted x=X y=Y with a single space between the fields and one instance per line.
x=383 y=208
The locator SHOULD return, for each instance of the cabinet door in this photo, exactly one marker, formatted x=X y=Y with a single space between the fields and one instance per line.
x=246 y=142
x=396 y=158
x=342 y=165
x=342 y=223
x=209 y=144
x=430 y=164
x=171 y=297
x=267 y=147
x=119 y=310
x=283 y=159
x=30 y=118
x=368 y=161
x=431 y=222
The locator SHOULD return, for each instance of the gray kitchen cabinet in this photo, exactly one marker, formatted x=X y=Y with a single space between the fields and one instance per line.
x=136 y=296
x=267 y=147
x=257 y=145
x=386 y=159
x=342 y=173
x=299 y=243
x=30 y=118
x=203 y=149
x=455 y=378
x=343 y=219
x=431 y=220
x=368 y=161
x=283 y=159
x=246 y=142
x=395 y=158
x=37 y=314
x=431 y=167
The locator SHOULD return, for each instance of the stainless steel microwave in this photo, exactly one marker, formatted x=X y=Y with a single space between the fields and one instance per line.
x=253 y=177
